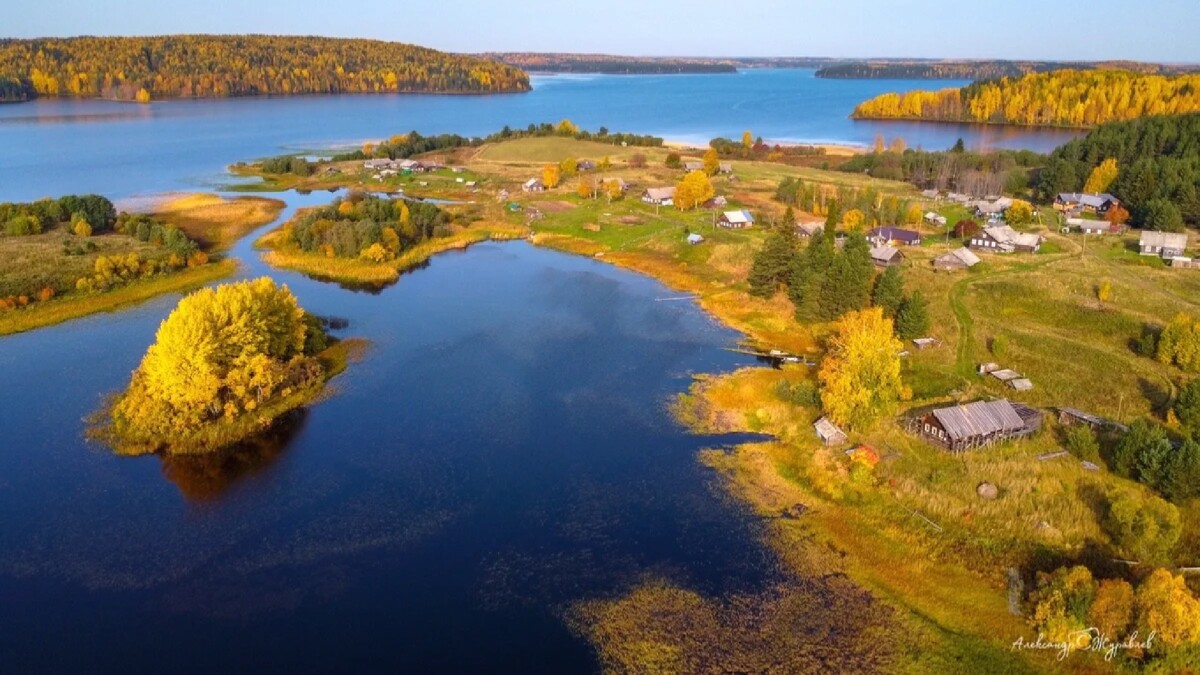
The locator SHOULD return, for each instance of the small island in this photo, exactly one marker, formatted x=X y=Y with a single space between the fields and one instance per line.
x=225 y=364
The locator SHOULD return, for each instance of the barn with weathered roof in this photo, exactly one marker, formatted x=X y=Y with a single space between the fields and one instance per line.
x=979 y=424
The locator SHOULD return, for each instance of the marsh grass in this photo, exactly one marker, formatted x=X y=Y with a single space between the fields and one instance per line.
x=74 y=306
x=216 y=222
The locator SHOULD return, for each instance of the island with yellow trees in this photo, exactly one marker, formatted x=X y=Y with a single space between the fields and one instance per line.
x=225 y=364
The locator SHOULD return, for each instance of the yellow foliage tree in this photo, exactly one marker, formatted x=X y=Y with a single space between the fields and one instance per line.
x=586 y=188
x=568 y=167
x=1112 y=610
x=142 y=96
x=1166 y=606
x=914 y=215
x=376 y=253
x=81 y=228
x=566 y=128
x=220 y=353
x=550 y=176
x=712 y=162
x=1102 y=177
x=693 y=190
x=860 y=375
x=854 y=219
x=1020 y=213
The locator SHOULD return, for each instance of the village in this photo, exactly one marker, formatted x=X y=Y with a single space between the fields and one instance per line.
x=1031 y=371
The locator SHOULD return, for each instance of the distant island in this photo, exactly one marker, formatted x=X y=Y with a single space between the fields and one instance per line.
x=1065 y=98
x=936 y=69
x=218 y=66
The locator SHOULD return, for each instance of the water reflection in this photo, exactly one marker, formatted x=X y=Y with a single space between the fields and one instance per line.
x=205 y=478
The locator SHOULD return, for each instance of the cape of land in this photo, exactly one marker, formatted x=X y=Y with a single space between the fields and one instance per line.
x=218 y=66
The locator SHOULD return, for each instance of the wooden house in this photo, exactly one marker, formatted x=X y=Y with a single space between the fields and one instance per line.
x=1004 y=239
x=935 y=219
x=958 y=259
x=533 y=185
x=886 y=256
x=805 y=229
x=662 y=196
x=585 y=165
x=979 y=424
x=735 y=220
x=1083 y=201
x=1166 y=245
x=693 y=166
x=725 y=168
x=695 y=238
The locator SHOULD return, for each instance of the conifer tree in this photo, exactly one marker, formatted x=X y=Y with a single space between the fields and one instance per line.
x=889 y=292
x=912 y=320
x=773 y=263
x=808 y=276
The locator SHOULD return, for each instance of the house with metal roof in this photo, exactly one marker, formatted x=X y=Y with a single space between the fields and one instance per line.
x=534 y=185
x=661 y=196
x=886 y=256
x=1163 y=244
x=979 y=424
x=893 y=236
x=1004 y=239
x=736 y=219
x=1083 y=201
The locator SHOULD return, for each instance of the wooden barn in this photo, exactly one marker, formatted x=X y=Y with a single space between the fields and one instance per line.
x=979 y=424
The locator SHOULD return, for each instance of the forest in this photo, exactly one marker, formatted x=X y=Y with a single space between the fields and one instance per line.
x=976 y=70
x=1158 y=167
x=1069 y=98
x=954 y=170
x=368 y=227
x=217 y=66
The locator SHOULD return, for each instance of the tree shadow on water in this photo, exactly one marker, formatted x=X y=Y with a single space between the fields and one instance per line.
x=208 y=477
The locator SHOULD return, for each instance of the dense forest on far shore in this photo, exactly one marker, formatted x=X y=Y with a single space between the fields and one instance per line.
x=920 y=69
x=217 y=66
x=1072 y=98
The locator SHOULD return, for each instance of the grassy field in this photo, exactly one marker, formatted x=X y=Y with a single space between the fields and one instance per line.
x=58 y=258
x=74 y=306
x=215 y=222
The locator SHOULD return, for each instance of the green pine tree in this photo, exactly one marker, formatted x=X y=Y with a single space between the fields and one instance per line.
x=809 y=271
x=889 y=292
x=772 y=264
x=912 y=320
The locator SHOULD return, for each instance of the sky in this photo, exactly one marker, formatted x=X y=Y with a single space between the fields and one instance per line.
x=1146 y=30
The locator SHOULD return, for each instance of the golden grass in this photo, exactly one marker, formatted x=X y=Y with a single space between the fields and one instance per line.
x=70 y=307
x=216 y=222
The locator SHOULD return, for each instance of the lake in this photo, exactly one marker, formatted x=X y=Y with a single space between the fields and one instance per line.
x=125 y=149
x=503 y=451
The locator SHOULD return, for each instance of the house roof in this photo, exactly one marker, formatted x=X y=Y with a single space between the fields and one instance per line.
x=894 y=234
x=533 y=182
x=738 y=217
x=1087 y=199
x=1164 y=239
x=827 y=430
x=885 y=253
x=693 y=166
x=695 y=238
x=725 y=166
x=1006 y=235
x=981 y=418
x=810 y=227
x=661 y=193
x=965 y=255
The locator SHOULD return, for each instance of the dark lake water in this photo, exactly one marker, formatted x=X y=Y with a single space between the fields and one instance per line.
x=123 y=149
x=502 y=451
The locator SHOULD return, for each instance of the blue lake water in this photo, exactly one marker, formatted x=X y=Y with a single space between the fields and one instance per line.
x=123 y=149
x=503 y=451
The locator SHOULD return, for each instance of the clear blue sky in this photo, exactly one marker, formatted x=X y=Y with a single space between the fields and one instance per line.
x=1150 y=30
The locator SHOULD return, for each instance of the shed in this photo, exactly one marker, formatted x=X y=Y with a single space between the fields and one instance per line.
x=1021 y=384
x=694 y=238
x=1004 y=374
x=828 y=432
x=958 y=259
